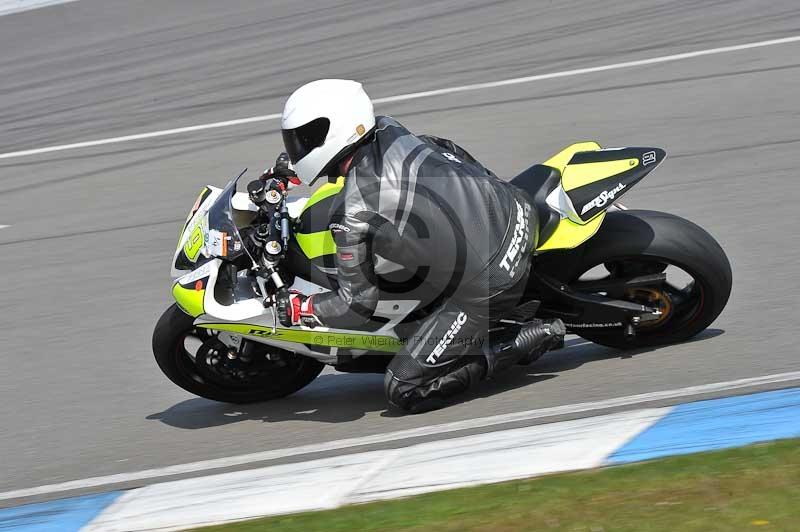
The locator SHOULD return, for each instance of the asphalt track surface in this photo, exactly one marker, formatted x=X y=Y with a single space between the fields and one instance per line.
x=85 y=262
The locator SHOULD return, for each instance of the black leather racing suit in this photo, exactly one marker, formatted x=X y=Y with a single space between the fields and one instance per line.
x=425 y=204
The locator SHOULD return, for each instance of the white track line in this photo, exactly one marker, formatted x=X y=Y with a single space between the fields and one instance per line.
x=139 y=136
x=7 y=7
x=416 y=95
x=443 y=428
x=4 y=226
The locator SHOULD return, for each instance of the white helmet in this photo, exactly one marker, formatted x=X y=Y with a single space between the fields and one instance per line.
x=321 y=120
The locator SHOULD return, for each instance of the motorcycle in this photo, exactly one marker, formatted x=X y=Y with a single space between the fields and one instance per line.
x=617 y=277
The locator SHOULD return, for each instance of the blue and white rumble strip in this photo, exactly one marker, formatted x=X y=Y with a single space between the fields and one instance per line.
x=490 y=457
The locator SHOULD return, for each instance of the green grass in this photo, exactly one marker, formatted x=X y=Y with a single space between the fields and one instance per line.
x=751 y=488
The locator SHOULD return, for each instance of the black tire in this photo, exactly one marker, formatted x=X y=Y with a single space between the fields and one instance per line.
x=661 y=237
x=168 y=338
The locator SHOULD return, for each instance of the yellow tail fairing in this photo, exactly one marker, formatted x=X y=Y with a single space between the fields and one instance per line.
x=580 y=175
x=592 y=179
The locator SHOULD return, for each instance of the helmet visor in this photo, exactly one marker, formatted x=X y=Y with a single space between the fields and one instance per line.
x=301 y=140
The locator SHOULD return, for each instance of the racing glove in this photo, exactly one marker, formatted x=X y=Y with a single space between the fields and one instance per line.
x=300 y=311
x=283 y=170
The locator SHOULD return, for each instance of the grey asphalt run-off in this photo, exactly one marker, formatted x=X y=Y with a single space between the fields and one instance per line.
x=86 y=259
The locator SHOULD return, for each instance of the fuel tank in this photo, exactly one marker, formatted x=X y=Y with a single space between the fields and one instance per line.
x=311 y=254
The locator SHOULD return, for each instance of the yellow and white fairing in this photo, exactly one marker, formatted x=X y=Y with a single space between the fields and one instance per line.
x=249 y=318
x=209 y=237
x=197 y=264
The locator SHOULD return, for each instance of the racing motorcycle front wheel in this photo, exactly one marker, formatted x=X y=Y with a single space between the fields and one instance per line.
x=639 y=243
x=224 y=367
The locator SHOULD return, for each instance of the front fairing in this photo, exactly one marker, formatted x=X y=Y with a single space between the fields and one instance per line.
x=209 y=232
x=210 y=239
x=210 y=243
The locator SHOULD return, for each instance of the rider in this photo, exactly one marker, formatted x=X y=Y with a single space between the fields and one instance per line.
x=425 y=204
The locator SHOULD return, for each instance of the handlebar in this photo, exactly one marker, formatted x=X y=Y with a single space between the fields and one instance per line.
x=271 y=232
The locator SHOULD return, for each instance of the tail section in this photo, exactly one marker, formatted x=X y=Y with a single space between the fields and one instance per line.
x=592 y=178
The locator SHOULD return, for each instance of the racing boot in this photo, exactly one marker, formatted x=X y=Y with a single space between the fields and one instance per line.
x=531 y=342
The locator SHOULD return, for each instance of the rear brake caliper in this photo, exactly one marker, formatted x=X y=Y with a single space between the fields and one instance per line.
x=653 y=298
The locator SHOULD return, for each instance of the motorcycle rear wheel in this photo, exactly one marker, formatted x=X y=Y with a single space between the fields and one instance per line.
x=179 y=365
x=640 y=242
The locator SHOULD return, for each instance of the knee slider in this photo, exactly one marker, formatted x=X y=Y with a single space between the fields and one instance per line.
x=403 y=376
x=397 y=391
